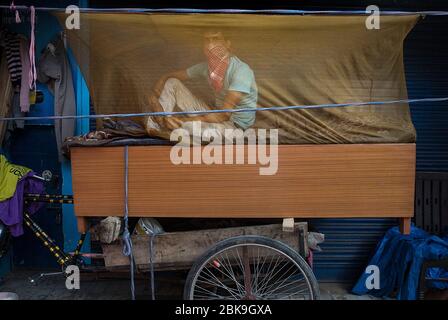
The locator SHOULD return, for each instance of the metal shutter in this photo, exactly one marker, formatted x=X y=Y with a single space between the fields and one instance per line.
x=350 y=242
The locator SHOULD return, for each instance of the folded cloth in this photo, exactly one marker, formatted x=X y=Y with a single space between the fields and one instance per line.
x=124 y=127
x=11 y=210
x=112 y=131
x=10 y=174
x=399 y=259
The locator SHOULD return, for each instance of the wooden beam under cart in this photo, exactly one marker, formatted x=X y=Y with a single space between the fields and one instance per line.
x=179 y=250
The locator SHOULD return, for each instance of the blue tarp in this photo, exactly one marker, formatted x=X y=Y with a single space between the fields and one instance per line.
x=399 y=259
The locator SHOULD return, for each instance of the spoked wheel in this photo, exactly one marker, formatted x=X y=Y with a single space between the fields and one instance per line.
x=251 y=268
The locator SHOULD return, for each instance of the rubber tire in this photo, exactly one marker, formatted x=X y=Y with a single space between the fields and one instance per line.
x=307 y=271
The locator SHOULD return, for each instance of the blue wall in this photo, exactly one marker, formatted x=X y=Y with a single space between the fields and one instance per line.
x=35 y=147
x=71 y=234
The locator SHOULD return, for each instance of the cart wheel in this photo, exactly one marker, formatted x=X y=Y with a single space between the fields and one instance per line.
x=251 y=268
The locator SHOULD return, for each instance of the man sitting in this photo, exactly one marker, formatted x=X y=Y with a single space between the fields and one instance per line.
x=232 y=82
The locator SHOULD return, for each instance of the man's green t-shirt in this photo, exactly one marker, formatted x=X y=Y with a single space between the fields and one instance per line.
x=239 y=77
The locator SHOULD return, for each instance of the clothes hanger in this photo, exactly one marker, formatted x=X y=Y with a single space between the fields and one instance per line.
x=13 y=8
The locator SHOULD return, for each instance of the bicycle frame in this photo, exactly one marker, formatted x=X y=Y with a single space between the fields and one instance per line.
x=62 y=258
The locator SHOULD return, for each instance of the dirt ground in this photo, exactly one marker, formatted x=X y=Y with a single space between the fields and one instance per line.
x=169 y=285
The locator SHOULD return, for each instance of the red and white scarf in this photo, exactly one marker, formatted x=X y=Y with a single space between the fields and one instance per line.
x=218 y=62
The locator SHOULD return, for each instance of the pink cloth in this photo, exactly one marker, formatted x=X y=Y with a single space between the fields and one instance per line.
x=24 y=86
x=32 y=56
x=29 y=73
x=218 y=62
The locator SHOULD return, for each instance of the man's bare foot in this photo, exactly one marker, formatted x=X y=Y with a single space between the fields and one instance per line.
x=152 y=128
x=173 y=123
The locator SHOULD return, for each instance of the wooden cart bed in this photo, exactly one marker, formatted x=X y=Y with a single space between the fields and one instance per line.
x=179 y=250
x=312 y=181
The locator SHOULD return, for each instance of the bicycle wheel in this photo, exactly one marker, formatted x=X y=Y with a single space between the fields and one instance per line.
x=251 y=268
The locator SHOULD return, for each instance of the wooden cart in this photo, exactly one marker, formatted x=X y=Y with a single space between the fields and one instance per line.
x=312 y=181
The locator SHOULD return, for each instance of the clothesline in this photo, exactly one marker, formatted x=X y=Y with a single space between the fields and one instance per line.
x=202 y=112
x=233 y=11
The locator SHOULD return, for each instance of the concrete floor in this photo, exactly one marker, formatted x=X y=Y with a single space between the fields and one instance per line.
x=169 y=286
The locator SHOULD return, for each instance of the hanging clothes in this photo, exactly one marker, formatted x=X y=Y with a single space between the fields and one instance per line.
x=11 y=41
x=32 y=72
x=17 y=112
x=10 y=174
x=11 y=210
x=25 y=77
x=54 y=70
x=6 y=92
x=15 y=181
x=17 y=48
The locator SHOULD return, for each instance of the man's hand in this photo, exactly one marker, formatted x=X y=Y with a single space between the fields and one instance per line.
x=233 y=98
x=173 y=122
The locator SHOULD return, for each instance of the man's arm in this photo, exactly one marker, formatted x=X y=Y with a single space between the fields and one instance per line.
x=233 y=98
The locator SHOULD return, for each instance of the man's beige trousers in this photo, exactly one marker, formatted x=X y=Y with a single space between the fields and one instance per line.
x=175 y=93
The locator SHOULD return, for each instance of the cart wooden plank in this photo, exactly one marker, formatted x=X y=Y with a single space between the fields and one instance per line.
x=178 y=250
x=312 y=181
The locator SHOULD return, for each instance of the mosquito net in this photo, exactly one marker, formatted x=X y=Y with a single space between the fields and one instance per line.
x=271 y=61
